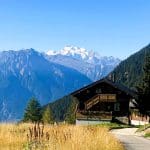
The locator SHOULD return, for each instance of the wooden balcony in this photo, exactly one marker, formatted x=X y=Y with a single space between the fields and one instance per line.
x=100 y=98
x=94 y=115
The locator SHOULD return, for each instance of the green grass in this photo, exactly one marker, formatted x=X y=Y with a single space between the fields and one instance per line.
x=143 y=127
x=114 y=125
x=147 y=135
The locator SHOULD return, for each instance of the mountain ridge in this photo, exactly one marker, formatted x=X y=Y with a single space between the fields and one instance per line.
x=93 y=65
x=25 y=74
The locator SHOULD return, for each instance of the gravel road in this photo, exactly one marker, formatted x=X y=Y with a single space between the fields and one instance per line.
x=131 y=140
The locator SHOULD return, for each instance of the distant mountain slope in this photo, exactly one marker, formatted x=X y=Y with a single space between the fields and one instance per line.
x=130 y=71
x=86 y=62
x=25 y=74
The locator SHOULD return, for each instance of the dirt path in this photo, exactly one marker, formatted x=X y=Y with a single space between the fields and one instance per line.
x=131 y=140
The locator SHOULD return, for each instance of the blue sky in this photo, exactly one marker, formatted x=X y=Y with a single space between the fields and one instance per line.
x=112 y=27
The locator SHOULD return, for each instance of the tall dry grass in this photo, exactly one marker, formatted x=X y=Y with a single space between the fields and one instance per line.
x=12 y=136
x=59 y=137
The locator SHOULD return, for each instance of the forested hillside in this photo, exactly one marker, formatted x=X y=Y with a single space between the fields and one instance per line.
x=130 y=71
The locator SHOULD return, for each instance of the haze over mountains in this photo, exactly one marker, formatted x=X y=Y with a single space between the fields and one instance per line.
x=28 y=73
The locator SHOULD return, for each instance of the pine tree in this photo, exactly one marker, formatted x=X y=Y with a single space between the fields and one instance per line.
x=146 y=79
x=70 y=115
x=33 y=111
x=144 y=89
x=47 y=116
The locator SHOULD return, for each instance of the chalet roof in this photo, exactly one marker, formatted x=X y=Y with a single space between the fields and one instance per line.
x=113 y=84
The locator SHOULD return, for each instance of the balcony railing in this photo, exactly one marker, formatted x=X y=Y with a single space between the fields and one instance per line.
x=100 y=115
x=100 y=98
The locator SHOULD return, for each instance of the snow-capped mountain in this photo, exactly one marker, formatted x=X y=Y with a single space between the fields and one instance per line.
x=75 y=52
x=89 y=63
x=25 y=74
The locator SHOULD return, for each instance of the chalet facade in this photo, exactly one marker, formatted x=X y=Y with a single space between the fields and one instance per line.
x=103 y=101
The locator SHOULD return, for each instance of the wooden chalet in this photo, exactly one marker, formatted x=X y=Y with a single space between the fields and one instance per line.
x=103 y=101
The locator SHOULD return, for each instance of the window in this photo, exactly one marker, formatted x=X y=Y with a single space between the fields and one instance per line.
x=98 y=91
x=116 y=107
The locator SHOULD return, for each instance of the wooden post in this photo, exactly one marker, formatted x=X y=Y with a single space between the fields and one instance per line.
x=129 y=117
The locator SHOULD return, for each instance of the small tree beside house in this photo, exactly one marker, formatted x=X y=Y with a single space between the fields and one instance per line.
x=47 y=116
x=70 y=115
x=32 y=111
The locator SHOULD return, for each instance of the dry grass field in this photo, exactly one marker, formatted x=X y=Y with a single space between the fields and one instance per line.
x=59 y=137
